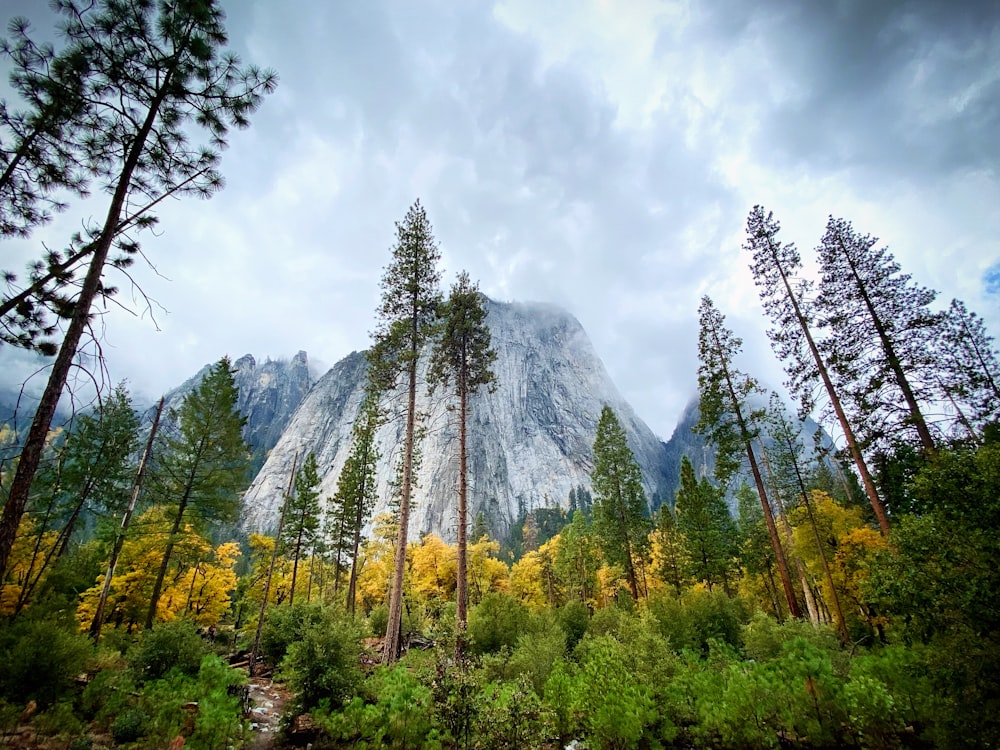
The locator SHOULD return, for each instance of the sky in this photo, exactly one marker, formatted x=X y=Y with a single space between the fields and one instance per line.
x=601 y=155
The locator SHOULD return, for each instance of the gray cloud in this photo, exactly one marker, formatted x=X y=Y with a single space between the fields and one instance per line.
x=542 y=183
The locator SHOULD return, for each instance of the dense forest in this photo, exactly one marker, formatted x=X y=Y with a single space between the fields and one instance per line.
x=804 y=593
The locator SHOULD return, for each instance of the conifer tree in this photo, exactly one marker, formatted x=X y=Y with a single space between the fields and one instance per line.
x=407 y=316
x=708 y=529
x=671 y=546
x=90 y=476
x=727 y=421
x=355 y=496
x=202 y=468
x=463 y=357
x=787 y=299
x=40 y=154
x=578 y=558
x=153 y=71
x=789 y=475
x=619 y=501
x=881 y=335
x=970 y=372
x=302 y=516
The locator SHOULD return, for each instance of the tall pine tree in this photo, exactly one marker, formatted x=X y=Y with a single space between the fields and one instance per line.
x=620 y=519
x=406 y=322
x=708 y=530
x=727 y=420
x=302 y=516
x=203 y=467
x=881 y=336
x=355 y=496
x=787 y=299
x=153 y=71
x=463 y=357
x=970 y=368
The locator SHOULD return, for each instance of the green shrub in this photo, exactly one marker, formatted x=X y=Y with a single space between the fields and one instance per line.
x=616 y=707
x=285 y=625
x=324 y=662
x=129 y=726
x=497 y=621
x=609 y=621
x=39 y=661
x=378 y=620
x=58 y=719
x=170 y=645
x=764 y=637
x=574 y=619
x=106 y=695
x=700 y=617
x=511 y=716
x=400 y=714
x=537 y=653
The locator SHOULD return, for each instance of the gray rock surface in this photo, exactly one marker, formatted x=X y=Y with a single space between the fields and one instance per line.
x=530 y=440
x=269 y=393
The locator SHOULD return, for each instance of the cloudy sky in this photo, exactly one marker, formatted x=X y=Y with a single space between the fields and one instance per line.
x=601 y=155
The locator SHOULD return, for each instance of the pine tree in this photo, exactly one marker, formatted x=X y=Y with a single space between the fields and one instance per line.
x=407 y=315
x=302 y=516
x=40 y=155
x=91 y=477
x=154 y=71
x=202 y=469
x=463 y=357
x=789 y=473
x=970 y=368
x=619 y=501
x=355 y=496
x=670 y=553
x=708 y=529
x=787 y=299
x=881 y=336
x=578 y=559
x=727 y=421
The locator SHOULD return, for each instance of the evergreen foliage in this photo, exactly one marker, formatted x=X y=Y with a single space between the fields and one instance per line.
x=462 y=355
x=302 y=516
x=708 y=530
x=406 y=321
x=203 y=467
x=148 y=73
x=882 y=336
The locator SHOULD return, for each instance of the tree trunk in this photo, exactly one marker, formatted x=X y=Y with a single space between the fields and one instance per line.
x=926 y=439
x=34 y=444
x=462 y=580
x=255 y=650
x=831 y=392
x=393 y=629
x=98 y=621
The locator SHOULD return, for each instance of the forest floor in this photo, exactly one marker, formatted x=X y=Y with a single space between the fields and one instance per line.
x=268 y=700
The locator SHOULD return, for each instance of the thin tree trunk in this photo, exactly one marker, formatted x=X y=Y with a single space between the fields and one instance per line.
x=831 y=392
x=154 y=599
x=462 y=582
x=394 y=627
x=926 y=439
x=779 y=555
x=352 y=583
x=34 y=444
x=255 y=650
x=295 y=566
x=95 y=625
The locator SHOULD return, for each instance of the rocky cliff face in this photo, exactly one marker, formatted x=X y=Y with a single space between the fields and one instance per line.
x=530 y=440
x=269 y=393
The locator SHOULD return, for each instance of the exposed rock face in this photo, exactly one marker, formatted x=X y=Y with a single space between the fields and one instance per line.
x=530 y=440
x=269 y=393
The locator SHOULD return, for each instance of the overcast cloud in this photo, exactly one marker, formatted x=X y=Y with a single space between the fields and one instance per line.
x=599 y=155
